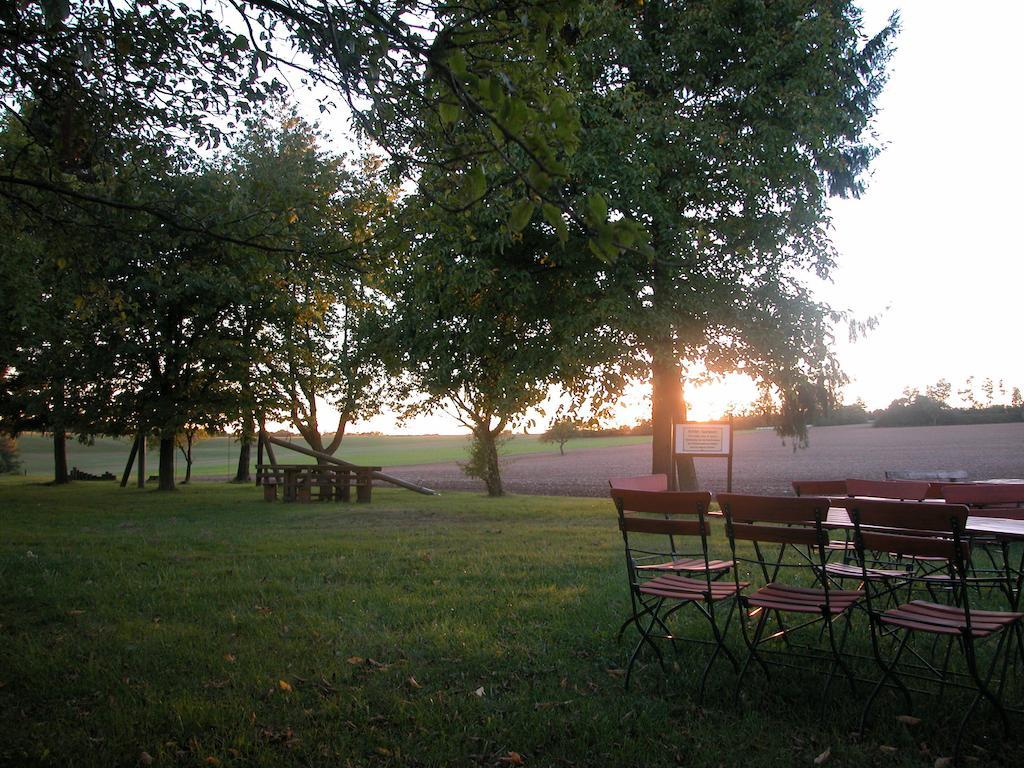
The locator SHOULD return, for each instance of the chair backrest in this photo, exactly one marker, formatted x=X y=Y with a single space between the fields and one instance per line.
x=985 y=495
x=777 y=519
x=819 y=487
x=911 y=528
x=640 y=483
x=669 y=506
x=905 y=490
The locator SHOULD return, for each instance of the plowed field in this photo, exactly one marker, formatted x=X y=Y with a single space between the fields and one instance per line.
x=763 y=463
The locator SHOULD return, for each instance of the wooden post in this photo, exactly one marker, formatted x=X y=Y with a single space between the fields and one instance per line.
x=141 y=482
x=270 y=448
x=259 y=458
x=131 y=460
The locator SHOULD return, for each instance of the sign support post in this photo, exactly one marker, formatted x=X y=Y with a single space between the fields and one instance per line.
x=708 y=439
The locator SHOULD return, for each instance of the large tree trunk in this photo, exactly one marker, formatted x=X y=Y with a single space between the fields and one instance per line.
x=60 y=456
x=666 y=397
x=668 y=407
x=491 y=469
x=167 y=463
x=242 y=474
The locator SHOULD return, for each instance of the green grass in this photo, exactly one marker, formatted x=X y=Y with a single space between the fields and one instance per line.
x=206 y=627
x=218 y=457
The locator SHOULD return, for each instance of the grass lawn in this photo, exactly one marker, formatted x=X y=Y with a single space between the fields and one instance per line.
x=206 y=627
x=218 y=457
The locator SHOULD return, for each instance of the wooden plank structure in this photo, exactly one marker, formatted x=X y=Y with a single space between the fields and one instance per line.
x=315 y=482
x=330 y=479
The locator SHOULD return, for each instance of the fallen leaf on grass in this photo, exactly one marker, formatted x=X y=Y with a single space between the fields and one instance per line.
x=383 y=751
x=355 y=660
x=479 y=692
x=229 y=657
x=145 y=758
x=616 y=672
x=284 y=685
x=823 y=757
x=908 y=719
x=75 y=612
x=549 y=704
x=512 y=758
x=889 y=750
x=211 y=760
x=412 y=681
x=943 y=762
x=217 y=683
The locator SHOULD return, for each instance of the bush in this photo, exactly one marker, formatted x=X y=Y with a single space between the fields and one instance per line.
x=9 y=461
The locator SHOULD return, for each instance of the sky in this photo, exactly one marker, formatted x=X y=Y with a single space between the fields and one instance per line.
x=931 y=248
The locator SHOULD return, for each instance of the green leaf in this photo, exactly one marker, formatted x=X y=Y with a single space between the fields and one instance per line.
x=520 y=216
x=449 y=112
x=553 y=216
x=457 y=63
x=241 y=43
x=477 y=183
x=597 y=208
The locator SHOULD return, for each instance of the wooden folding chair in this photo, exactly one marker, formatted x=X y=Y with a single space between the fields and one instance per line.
x=788 y=536
x=665 y=575
x=934 y=531
x=1000 y=500
x=836 y=491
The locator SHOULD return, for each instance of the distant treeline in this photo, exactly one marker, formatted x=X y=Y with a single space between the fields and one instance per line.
x=913 y=409
x=924 y=412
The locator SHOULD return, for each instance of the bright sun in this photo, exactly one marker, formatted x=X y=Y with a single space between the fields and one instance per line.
x=706 y=402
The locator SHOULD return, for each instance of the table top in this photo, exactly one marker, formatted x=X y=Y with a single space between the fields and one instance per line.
x=1006 y=528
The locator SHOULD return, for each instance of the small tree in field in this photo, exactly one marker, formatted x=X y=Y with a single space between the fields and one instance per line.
x=561 y=431
x=186 y=439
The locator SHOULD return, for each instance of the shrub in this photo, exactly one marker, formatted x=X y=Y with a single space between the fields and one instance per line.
x=9 y=461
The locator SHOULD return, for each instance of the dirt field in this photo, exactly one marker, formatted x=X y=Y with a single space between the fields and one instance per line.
x=762 y=464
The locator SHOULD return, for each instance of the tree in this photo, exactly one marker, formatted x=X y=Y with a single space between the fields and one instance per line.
x=107 y=76
x=304 y=322
x=724 y=128
x=940 y=391
x=967 y=393
x=1016 y=401
x=188 y=437
x=54 y=371
x=561 y=431
x=481 y=328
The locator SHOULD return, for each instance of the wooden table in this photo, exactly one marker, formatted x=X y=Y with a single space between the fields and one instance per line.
x=308 y=482
x=1004 y=530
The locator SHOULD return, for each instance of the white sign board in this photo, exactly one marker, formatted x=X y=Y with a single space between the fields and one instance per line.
x=703 y=439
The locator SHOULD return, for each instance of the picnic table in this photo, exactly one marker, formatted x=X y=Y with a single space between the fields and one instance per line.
x=308 y=482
